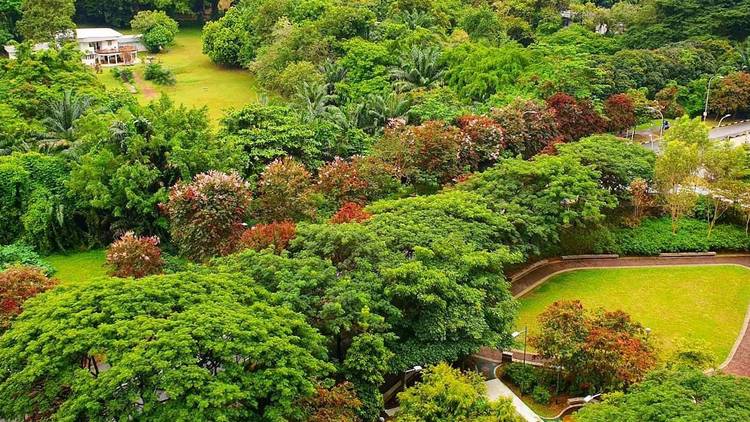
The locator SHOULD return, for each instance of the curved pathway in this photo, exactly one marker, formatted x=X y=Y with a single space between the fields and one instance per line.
x=525 y=280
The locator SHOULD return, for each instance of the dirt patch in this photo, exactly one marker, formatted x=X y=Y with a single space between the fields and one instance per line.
x=143 y=87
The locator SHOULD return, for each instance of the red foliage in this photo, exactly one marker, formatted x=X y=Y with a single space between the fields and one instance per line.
x=207 y=215
x=485 y=140
x=575 y=119
x=528 y=127
x=338 y=404
x=620 y=110
x=16 y=285
x=284 y=192
x=134 y=256
x=340 y=181
x=350 y=213
x=551 y=147
x=262 y=236
x=732 y=94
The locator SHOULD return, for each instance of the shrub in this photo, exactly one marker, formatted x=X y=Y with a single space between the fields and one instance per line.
x=654 y=236
x=486 y=140
x=18 y=283
x=125 y=74
x=135 y=256
x=525 y=377
x=158 y=74
x=284 y=192
x=340 y=182
x=261 y=236
x=17 y=254
x=541 y=394
x=207 y=214
x=575 y=119
x=350 y=213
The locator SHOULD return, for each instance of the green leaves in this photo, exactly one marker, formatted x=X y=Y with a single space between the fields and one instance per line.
x=186 y=346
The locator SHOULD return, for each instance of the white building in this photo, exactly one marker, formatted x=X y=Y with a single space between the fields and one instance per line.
x=103 y=46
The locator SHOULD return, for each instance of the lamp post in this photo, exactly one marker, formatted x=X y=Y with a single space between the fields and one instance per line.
x=722 y=119
x=525 y=337
x=415 y=369
x=708 y=94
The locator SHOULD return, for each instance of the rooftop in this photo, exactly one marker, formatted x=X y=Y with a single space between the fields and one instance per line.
x=104 y=33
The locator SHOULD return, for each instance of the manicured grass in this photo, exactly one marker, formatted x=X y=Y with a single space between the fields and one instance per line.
x=79 y=266
x=704 y=303
x=199 y=81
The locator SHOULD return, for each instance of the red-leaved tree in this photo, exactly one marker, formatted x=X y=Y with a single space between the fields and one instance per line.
x=284 y=192
x=575 y=119
x=600 y=350
x=206 y=216
x=134 y=256
x=350 y=212
x=528 y=127
x=485 y=140
x=732 y=94
x=276 y=235
x=340 y=182
x=17 y=284
x=620 y=110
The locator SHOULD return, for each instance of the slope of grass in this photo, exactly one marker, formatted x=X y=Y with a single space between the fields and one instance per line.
x=79 y=266
x=199 y=81
x=704 y=303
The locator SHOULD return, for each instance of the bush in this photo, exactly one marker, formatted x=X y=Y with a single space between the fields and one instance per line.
x=17 y=254
x=284 y=192
x=525 y=377
x=17 y=284
x=350 y=213
x=158 y=74
x=541 y=394
x=654 y=236
x=261 y=236
x=125 y=74
x=207 y=214
x=135 y=256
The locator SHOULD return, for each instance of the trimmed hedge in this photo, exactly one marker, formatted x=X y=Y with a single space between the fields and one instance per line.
x=654 y=236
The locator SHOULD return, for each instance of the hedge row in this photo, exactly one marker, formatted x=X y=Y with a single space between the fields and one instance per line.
x=654 y=236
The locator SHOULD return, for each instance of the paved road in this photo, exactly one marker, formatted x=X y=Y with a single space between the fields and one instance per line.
x=738 y=133
x=732 y=131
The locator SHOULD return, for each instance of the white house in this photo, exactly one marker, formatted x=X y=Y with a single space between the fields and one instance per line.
x=103 y=46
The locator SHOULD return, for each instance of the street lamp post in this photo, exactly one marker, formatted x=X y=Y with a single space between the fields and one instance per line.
x=525 y=337
x=415 y=369
x=708 y=94
x=722 y=119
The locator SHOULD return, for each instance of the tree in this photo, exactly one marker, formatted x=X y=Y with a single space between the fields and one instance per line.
x=17 y=284
x=486 y=140
x=732 y=95
x=134 y=256
x=44 y=20
x=528 y=126
x=350 y=212
x=599 y=350
x=575 y=119
x=689 y=131
x=674 y=174
x=169 y=344
x=228 y=41
x=682 y=394
x=157 y=28
x=419 y=68
x=337 y=404
x=276 y=236
x=207 y=215
x=721 y=170
x=63 y=113
x=445 y=393
x=641 y=198
x=284 y=192
x=620 y=111
x=617 y=160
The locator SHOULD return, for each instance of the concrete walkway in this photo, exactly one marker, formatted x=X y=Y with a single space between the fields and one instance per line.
x=496 y=389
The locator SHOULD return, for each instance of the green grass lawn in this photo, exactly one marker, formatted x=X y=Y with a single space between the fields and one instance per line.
x=79 y=266
x=706 y=303
x=199 y=81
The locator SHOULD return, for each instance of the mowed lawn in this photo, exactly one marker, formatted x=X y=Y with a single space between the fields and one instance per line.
x=704 y=303
x=78 y=266
x=199 y=81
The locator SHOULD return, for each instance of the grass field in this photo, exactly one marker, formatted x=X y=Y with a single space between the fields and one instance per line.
x=706 y=303
x=79 y=266
x=199 y=81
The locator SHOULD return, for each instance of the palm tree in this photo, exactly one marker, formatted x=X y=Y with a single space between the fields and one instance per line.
x=60 y=122
x=381 y=109
x=316 y=102
x=421 y=67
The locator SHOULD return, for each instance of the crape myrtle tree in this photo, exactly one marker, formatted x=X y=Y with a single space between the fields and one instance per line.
x=177 y=347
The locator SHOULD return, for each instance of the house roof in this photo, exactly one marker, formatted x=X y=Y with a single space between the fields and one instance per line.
x=97 y=33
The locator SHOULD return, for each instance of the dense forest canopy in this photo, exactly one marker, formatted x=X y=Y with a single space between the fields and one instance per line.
x=291 y=259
